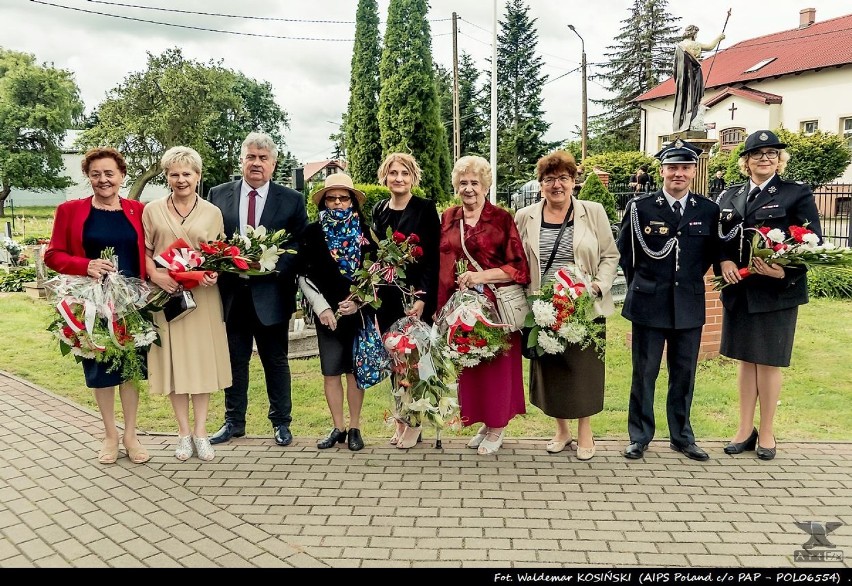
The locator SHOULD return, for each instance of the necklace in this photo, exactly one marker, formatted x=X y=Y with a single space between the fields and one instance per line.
x=182 y=217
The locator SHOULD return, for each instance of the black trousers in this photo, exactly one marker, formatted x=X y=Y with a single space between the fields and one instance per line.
x=681 y=358
x=243 y=329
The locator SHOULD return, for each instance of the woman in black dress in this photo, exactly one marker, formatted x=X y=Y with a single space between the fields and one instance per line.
x=82 y=229
x=325 y=280
x=759 y=317
x=408 y=214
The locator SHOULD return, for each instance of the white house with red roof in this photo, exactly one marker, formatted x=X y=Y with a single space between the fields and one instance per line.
x=319 y=170
x=799 y=79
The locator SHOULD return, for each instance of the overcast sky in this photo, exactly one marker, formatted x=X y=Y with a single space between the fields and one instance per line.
x=310 y=71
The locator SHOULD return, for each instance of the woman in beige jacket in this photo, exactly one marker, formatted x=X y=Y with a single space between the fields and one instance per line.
x=569 y=385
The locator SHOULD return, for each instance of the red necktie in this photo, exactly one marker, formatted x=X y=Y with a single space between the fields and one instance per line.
x=252 y=197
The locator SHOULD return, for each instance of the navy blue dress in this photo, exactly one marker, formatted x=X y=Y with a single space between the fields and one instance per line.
x=104 y=228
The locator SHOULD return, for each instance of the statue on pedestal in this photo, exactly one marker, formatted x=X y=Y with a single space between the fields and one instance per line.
x=689 y=80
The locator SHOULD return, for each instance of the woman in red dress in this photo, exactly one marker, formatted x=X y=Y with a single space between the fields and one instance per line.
x=492 y=392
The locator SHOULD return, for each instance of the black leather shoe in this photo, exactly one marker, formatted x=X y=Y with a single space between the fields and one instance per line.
x=746 y=446
x=635 y=450
x=766 y=453
x=226 y=432
x=691 y=451
x=283 y=437
x=335 y=436
x=355 y=441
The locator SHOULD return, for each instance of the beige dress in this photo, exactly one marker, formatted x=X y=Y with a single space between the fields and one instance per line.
x=193 y=355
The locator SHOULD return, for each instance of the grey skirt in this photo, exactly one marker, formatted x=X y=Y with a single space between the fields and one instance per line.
x=760 y=338
x=568 y=385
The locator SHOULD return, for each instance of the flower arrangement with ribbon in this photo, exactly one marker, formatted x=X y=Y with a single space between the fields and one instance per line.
x=256 y=253
x=105 y=319
x=470 y=330
x=394 y=254
x=801 y=248
x=421 y=396
x=563 y=313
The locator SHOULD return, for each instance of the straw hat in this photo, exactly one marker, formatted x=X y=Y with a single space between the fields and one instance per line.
x=339 y=181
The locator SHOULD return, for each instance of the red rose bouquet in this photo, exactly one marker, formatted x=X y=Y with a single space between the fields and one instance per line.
x=470 y=331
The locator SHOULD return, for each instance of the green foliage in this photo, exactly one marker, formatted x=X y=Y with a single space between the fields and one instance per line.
x=374 y=194
x=732 y=169
x=594 y=190
x=718 y=162
x=639 y=59
x=363 y=140
x=409 y=109
x=473 y=129
x=13 y=282
x=37 y=104
x=816 y=158
x=622 y=164
x=833 y=282
x=178 y=101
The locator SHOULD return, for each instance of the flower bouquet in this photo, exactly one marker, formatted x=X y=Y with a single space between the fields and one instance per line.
x=800 y=249
x=421 y=394
x=470 y=331
x=256 y=253
x=388 y=269
x=563 y=313
x=103 y=319
x=13 y=248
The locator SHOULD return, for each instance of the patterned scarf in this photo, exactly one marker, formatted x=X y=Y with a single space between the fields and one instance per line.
x=343 y=236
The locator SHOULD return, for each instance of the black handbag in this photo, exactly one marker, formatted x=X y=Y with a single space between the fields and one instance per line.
x=179 y=305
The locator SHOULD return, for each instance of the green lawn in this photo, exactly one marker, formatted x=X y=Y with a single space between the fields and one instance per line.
x=816 y=400
x=30 y=221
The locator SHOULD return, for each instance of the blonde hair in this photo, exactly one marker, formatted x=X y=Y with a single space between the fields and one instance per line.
x=475 y=165
x=783 y=157
x=181 y=155
x=404 y=159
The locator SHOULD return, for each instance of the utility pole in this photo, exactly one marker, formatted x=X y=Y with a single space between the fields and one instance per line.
x=456 y=113
x=493 y=193
x=585 y=128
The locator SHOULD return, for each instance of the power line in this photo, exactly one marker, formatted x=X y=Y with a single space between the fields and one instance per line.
x=489 y=44
x=197 y=28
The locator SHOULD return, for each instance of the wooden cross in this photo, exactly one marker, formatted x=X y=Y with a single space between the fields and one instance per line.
x=732 y=109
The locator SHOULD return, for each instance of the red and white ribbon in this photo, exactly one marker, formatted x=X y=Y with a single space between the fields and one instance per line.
x=565 y=285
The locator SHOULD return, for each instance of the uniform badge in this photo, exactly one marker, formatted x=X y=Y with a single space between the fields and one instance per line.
x=692 y=202
x=742 y=189
x=772 y=189
x=664 y=230
x=763 y=136
x=729 y=217
x=679 y=143
x=659 y=200
x=647 y=229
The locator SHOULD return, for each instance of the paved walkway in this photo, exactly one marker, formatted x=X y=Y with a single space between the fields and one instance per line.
x=260 y=505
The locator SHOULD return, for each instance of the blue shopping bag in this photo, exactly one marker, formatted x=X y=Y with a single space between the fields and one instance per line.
x=371 y=361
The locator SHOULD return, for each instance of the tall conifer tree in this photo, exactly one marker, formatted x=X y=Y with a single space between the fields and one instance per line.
x=363 y=148
x=474 y=125
x=640 y=59
x=409 y=109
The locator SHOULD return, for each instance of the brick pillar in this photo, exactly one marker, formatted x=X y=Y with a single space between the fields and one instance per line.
x=711 y=334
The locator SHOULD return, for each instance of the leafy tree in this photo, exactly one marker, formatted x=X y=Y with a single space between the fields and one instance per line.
x=594 y=190
x=37 y=104
x=622 y=164
x=339 y=140
x=284 y=169
x=177 y=101
x=640 y=59
x=520 y=117
x=409 y=109
x=816 y=158
x=363 y=144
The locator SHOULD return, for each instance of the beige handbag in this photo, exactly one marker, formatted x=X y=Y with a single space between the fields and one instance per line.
x=512 y=302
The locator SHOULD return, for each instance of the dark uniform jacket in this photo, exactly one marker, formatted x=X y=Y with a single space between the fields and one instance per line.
x=780 y=205
x=668 y=292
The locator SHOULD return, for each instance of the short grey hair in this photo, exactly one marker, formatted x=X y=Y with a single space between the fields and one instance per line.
x=259 y=140
x=181 y=155
x=475 y=165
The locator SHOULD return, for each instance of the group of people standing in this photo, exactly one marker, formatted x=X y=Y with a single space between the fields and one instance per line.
x=668 y=241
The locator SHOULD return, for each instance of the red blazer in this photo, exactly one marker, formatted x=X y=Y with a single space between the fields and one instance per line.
x=65 y=253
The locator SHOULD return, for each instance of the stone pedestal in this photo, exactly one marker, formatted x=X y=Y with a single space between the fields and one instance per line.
x=35 y=290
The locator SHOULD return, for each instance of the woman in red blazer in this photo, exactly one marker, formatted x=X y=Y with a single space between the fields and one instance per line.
x=82 y=229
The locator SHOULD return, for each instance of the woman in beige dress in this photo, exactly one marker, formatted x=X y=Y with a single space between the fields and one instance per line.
x=192 y=360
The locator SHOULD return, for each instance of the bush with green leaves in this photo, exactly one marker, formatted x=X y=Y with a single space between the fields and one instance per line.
x=833 y=282
x=621 y=164
x=594 y=190
x=13 y=281
x=374 y=193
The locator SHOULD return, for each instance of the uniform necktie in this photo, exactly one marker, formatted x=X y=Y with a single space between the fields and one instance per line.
x=753 y=194
x=252 y=197
x=676 y=207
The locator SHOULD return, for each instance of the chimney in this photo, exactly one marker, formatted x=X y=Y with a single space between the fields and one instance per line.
x=807 y=16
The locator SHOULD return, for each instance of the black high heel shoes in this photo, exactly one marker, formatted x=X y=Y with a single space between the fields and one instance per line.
x=335 y=436
x=746 y=446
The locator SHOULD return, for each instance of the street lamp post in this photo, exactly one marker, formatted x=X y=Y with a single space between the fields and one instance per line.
x=585 y=129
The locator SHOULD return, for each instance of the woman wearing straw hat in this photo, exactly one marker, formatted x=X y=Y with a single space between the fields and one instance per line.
x=324 y=279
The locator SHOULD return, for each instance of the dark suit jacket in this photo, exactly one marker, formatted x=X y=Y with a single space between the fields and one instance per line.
x=274 y=295
x=419 y=217
x=660 y=295
x=65 y=253
x=780 y=205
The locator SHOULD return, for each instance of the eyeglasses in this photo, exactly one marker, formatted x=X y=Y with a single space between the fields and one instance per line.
x=340 y=198
x=757 y=155
x=563 y=179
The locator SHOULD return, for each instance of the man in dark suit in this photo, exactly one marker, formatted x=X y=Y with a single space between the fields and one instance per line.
x=258 y=309
x=668 y=241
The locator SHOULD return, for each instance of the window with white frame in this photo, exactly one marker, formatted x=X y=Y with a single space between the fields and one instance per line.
x=809 y=126
x=846 y=130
